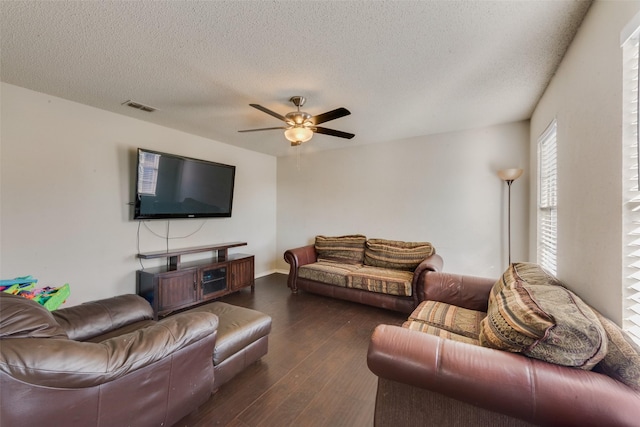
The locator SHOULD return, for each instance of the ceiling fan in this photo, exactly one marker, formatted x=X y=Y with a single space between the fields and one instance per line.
x=301 y=126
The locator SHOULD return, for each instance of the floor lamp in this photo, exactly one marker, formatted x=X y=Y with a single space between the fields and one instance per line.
x=508 y=176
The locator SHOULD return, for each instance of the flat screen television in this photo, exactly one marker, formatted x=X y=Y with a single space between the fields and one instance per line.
x=172 y=186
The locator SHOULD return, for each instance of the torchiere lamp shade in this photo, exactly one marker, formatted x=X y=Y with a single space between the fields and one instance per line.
x=509 y=174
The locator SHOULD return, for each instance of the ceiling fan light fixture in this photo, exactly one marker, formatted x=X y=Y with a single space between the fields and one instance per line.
x=301 y=125
x=298 y=134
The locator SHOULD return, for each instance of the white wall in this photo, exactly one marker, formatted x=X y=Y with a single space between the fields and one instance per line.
x=66 y=174
x=439 y=188
x=585 y=96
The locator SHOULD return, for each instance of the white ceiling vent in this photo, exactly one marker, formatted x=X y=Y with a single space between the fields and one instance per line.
x=139 y=106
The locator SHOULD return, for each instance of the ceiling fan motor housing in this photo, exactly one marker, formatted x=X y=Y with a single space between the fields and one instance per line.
x=298 y=118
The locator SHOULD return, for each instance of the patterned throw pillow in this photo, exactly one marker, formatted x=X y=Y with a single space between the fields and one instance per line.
x=622 y=361
x=347 y=249
x=531 y=313
x=396 y=254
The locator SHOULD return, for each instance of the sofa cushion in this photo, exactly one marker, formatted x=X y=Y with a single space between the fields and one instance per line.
x=347 y=249
x=23 y=318
x=622 y=361
x=330 y=272
x=381 y=280
x=94 y=318
x=439 y=332
x=126 y=329
x=396 y=254
x=530 y=313
x=452 y=318
x=238 y=327
x=68 y=363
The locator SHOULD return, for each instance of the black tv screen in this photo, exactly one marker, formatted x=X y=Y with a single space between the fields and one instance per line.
x=171 y=186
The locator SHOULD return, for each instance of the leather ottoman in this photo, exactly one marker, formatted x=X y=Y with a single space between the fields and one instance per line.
x=243 y=337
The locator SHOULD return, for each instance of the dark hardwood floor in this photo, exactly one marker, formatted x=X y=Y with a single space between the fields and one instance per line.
x=315 y=373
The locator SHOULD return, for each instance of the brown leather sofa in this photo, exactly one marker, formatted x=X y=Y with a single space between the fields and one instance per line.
x=102 y=363
x=308 y=255
x=428 y=379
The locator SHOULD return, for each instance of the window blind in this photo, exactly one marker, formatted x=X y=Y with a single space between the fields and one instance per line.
x=631 y=195
x=548 y=199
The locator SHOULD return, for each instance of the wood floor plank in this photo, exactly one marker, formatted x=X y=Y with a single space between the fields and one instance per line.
x=312 y=368
x=315 y=373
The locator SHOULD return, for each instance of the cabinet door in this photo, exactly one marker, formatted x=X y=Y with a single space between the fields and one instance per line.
x=213 y=281
x=241 y=273
x=176 y=290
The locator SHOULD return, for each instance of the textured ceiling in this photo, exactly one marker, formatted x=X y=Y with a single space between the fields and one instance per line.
x=403 y=68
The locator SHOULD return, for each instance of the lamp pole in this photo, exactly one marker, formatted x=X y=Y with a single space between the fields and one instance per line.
x=508 y=176
x=509 y=182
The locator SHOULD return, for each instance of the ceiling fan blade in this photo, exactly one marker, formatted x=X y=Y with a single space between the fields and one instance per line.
x=330 y=115
x=256 y=130
x=266 y=110
x=333 y=132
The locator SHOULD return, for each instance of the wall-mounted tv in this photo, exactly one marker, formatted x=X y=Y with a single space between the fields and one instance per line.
x=172 y=186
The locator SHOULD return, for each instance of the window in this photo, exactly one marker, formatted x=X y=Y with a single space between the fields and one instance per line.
x=148 y=173
x=631 y=195
x=547 y=199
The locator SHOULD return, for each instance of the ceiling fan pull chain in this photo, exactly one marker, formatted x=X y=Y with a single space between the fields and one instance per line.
x=298 y=157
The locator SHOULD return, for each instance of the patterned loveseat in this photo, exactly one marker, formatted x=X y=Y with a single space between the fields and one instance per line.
x=522 y=350
x=378 y=272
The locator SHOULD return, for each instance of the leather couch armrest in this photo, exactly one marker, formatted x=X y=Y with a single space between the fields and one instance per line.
x=298 y=257
x=512 y=384
x=66 y=363
x=463 y=291
x=431 y=263
x=90 y=319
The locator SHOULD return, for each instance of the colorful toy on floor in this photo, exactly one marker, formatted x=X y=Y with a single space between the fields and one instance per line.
x=50 y=298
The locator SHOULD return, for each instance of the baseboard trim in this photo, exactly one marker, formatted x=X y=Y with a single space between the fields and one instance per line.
x=266 y=273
